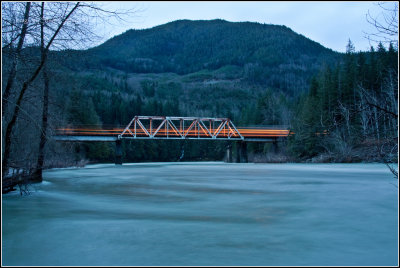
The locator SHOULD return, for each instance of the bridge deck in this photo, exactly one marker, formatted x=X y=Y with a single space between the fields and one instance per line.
x=82 y=138
x=173 y=133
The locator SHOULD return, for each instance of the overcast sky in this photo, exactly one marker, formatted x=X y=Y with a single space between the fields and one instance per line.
x=328 y=23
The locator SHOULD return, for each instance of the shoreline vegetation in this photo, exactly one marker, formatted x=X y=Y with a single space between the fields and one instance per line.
x=356 y=155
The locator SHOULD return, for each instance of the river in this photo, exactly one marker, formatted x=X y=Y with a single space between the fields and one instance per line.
x=205 y=214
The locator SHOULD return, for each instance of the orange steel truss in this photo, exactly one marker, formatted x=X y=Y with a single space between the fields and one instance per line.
x=172 y=127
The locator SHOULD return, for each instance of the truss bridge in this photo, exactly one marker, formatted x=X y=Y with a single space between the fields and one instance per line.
x=173 y=128
x=159 y=127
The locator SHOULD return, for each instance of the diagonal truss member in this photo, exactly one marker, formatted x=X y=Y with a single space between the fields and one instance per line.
x=172 y=127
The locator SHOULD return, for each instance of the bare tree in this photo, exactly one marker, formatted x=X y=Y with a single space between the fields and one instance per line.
x=56 y=25
x=386 y=24
x=26 y=84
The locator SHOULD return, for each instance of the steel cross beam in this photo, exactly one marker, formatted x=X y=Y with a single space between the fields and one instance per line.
x=146 y=127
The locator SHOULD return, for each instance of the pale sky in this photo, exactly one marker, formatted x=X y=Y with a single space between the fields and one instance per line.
x=331 y=24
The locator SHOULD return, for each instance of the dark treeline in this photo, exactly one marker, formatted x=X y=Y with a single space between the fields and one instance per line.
x=353 y=108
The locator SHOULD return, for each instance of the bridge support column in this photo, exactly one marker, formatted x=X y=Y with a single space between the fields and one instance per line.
x=243 y=157
x=241 y=152
x=275 y=148
x=118 y=152
x=238 y=152
x=229 y=153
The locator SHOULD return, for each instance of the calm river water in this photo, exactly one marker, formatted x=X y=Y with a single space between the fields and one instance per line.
x=207 y=213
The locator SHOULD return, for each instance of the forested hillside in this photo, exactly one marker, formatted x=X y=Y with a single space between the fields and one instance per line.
x=201 y=68
x=268 y=55
x=189 y=46
x=353 y=106
x=338 y=105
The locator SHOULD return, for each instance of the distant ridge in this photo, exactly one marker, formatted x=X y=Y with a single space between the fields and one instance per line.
x=186 y=46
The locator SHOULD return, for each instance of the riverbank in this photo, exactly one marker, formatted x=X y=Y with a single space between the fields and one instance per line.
x=369 y=151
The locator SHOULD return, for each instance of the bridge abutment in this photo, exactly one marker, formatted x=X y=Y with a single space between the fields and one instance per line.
x=118 y=152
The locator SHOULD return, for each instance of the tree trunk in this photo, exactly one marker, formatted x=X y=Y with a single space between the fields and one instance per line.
x=9 y=129
x=376 y=123
x=37 y=176
x=13 y=71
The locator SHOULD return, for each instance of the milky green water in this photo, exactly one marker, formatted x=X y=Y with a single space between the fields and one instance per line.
x=202 y=214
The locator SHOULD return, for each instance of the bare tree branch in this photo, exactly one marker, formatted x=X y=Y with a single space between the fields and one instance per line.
x=386 y=25
x=13 y=71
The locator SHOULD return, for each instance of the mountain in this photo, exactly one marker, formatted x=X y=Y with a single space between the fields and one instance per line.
x=186 y=46
x=263 y=54
x=254 y=74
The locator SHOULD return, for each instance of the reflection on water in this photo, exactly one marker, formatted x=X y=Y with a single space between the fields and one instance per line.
x=205 y=214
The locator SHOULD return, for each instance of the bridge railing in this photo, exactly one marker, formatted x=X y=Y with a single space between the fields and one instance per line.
x=161 y=127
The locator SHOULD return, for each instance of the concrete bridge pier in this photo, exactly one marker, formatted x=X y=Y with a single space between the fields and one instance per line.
x=229 y=153
x=118 y=152
x=241 y=152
